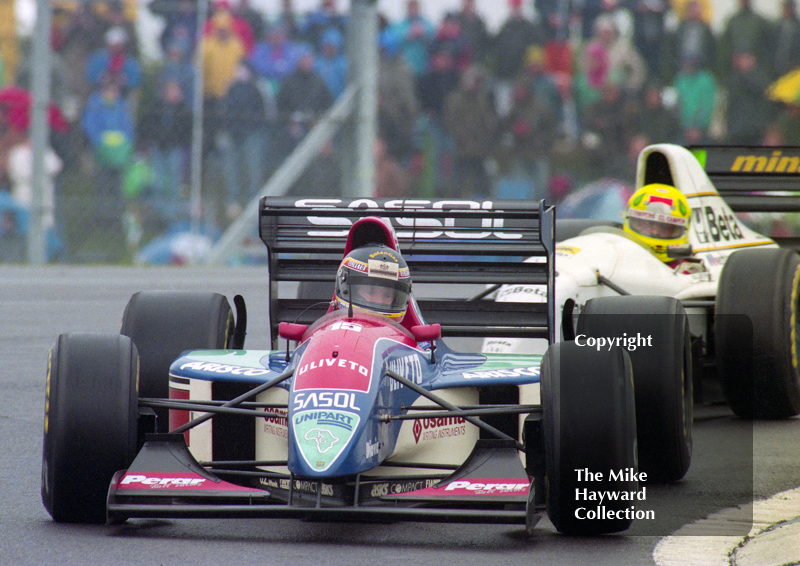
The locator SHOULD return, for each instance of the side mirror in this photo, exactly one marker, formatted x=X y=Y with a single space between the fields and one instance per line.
x=426 y=332
x=679 y=251
x=292 y=331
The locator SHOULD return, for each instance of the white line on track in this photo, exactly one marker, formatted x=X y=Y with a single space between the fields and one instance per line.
x=774 y=539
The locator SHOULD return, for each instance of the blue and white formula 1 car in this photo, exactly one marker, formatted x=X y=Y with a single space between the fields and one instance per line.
x=357 y=416
x=739 y=287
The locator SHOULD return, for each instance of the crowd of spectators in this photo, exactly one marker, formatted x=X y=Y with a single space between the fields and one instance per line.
x=532 y=110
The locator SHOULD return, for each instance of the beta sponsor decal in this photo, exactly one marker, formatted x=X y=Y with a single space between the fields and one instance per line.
x=712 y=225
x=322 y=435
x=434 y=429
x=182 y=480
x=472 y=487
x=523 y=293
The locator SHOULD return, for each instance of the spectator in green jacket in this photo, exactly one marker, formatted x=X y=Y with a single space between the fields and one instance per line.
x=697 y=89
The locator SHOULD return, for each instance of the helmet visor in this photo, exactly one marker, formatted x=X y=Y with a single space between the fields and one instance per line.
x=661 y=227
x=379 y=294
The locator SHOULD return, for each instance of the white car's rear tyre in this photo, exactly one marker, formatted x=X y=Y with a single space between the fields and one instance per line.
x=163 y=324
x=589 y=424
x=90 y=429
x=764 y=285
x=662 y=375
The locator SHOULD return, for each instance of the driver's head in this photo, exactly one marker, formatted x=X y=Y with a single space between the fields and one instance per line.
x=659 y=216
x=374 y=278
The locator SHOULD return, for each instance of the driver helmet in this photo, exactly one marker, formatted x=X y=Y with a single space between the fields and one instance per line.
x=659 y=216
x=374 y=278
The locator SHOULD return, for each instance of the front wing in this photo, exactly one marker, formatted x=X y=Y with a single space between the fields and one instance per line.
x=165 y=481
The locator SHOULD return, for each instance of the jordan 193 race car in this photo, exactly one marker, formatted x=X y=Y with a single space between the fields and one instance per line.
x=358 y=416
x=739 y=287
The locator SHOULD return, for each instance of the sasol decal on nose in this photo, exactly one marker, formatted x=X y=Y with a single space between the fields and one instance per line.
x=325 y=400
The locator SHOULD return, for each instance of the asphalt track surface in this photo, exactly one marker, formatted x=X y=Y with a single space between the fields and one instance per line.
x=734 y=461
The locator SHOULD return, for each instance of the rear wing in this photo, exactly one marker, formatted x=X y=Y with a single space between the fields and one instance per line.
x=755 y=179
x=451 y=243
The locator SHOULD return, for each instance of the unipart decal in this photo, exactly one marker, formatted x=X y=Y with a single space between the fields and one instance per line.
x=438 y=228
x=477 y=487
x=322 y=435
x=532 y=371
x=224 y=368
x=187 y=481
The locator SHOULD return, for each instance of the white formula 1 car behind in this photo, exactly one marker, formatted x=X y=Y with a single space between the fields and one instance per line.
x=739 y=287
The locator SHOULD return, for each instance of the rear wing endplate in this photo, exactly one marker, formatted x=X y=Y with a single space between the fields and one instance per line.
x=447 y=242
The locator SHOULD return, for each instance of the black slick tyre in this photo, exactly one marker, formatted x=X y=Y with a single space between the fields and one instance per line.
x=163 y=324
x=764 y=286
x=90 y=427
x=662 y=375
x=589 y=424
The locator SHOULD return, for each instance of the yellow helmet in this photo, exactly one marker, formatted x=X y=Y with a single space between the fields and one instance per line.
x=659 y=216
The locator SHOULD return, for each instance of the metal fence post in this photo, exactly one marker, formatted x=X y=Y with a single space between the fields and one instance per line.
x=37 y=242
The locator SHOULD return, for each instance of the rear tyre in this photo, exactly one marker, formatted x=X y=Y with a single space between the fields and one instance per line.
x=163 y=324
x=90 y=427
x=662 y=375
x=763 y=285
x=589 y=424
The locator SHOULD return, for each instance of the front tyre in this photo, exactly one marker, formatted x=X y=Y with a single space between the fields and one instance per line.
x=763 y=285
x=589 y=424
x=662 y=375
x=90 y=425
x=163 y=324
